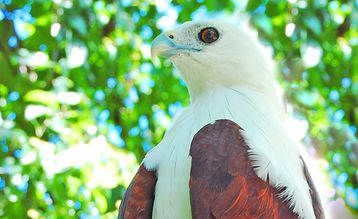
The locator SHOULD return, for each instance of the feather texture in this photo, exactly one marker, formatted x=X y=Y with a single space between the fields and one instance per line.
x=271 y=150
x=223 y=183
x=138 y=200
x=227 y=79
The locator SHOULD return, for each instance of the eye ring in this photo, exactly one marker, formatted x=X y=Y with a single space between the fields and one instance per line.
x=208 y=35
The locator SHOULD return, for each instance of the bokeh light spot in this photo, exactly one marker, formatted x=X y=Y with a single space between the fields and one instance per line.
x=12 y=42
x=346 y=82
x=99 y=95
x=111 y=82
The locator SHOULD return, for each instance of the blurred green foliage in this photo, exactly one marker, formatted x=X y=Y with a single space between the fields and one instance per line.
x=81 y=102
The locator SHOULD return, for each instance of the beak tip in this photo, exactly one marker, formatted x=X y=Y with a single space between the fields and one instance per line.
x=160 y=45
x=153 y=56
x=153 y=53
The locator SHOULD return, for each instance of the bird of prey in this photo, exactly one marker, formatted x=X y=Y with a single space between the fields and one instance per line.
x=228 y=154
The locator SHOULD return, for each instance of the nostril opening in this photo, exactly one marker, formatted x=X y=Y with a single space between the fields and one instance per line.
x=171 y=36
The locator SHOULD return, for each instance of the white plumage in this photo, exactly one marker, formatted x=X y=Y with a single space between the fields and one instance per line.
x=227 y=80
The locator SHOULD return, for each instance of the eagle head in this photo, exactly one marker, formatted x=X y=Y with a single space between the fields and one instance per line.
x=212 y=53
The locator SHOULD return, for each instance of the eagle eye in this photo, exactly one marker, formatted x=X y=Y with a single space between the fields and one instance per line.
x=208 y=35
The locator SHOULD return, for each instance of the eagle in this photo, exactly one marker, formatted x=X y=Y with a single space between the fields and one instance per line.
x=228 y=154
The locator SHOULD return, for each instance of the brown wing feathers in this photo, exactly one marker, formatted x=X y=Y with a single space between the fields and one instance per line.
x=223 y=183
x=138 y=200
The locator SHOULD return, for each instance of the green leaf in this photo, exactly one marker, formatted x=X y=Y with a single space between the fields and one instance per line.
x=101 y=201
x=313 y=23
x=253 y=4
x=40 y=96
x=79 y=24
x=263 y=22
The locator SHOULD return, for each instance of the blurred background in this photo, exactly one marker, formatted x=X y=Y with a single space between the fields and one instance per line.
x=81 y=102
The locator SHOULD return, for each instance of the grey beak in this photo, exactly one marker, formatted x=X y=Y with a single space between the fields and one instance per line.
x=162 y=46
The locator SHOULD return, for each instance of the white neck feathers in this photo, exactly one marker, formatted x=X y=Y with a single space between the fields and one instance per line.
x=271 y=149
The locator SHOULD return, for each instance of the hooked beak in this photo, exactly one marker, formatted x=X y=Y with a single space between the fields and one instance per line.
x=162 y=45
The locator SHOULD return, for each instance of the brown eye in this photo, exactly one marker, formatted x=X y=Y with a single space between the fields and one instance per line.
x=208 y=35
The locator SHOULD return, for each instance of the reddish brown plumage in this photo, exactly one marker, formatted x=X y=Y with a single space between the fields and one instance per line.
x=138 y=200
x=223 y=183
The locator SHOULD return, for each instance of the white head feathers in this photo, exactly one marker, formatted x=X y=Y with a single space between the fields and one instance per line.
x=234 y=58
